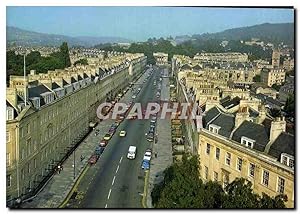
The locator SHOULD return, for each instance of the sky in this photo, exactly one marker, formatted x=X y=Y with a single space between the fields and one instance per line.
x=140 y=23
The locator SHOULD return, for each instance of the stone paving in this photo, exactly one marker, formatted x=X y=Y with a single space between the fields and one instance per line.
x=58 y=187
x=163 y=147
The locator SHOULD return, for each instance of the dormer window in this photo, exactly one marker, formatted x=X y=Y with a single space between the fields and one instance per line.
x=247 y=142
x=214 y=128
x=287 y=160
x=9 y=113
x=36 y=102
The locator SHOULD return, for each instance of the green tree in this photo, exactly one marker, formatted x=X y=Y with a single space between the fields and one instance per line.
x=276 y=87
x=239 y=194
x=81 y=62
x=182 y=188
x=289 y=106
x=256 y=78
x=65 y=57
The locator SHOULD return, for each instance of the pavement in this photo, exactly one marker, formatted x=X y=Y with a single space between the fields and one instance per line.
x=115 y=181
x=163 y=147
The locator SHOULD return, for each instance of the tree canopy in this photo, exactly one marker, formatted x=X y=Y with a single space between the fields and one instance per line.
x=34 y=61
x=183 y=188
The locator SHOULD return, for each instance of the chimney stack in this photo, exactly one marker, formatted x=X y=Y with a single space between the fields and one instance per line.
x=277 y=127
x=241 y=116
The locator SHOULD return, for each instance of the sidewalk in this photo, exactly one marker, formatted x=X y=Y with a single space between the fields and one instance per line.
x=57 y=189
x=163 y=147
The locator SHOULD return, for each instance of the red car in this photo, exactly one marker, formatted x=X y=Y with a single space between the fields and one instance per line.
x=93 y=159
x=103 y=143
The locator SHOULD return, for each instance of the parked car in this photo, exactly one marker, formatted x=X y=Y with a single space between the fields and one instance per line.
x=147 y=155
x=103 y=143
x=150 y=136
x=99 y=150
x=145 y=165
x=93 y=159
x=107 y=136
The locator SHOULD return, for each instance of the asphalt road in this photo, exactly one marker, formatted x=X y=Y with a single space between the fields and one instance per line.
x=115 y=181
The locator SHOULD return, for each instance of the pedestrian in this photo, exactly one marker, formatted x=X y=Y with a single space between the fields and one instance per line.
x=155 y=154
x=58 y=169
x=81 y=158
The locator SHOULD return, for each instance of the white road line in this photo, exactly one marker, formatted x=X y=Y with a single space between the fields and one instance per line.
x=109 y=194
x=117 y=169
x=105 y=205
x=113 y=180
x=121 y=159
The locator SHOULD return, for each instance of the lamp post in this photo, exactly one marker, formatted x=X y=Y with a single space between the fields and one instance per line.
x=74 y=164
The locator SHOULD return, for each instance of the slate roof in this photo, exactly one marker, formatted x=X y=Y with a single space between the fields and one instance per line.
x=285 y=143
x=253 y=113
x=37 y=91
x=226 y=122
x=197 y=67
x=209 y=115
x=231 y=103
x=54 y=86
x=253 y=131
x=65 y=83
x=185 y=66
x=73 y=80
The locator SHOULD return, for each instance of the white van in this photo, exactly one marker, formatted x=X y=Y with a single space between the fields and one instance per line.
x=131 y=152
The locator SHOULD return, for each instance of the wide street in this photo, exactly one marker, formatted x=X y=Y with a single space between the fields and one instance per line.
x=115 y=181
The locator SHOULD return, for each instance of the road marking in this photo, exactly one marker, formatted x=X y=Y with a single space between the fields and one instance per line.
x=105 y=205
x=109 y=194
x=121 y=159
x=113 y=180
x=117 y=169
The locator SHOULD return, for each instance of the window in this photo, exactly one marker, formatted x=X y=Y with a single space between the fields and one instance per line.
x=22 y=174
x=217 y=153
x=251 y=169
x=284 y=160
x=291 y=163
x=214 y=129
x=228 y=158
x=247 y=142
x=280 y=185
x=7 y=137
x=9 y=113
x=288 y=160
x=34 y=163
x=207 y=148
x=265 y=180
x=28 y=128
x=28 y=168
x=206 y=172
x=239 y=164
x=7 y=159
x=23 y=154
x=216 y=176
x=8 y=180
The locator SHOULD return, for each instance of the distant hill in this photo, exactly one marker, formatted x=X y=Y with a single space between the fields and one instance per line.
x=275 y=33
x=19 y=36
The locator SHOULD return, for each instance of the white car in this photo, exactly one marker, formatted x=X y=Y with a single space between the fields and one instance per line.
x=133 y=96
x=147 y=155
x=122 y=133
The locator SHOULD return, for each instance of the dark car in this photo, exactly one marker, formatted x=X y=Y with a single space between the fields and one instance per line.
x=93 y=159
x=150 y=136
x=99 y=150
